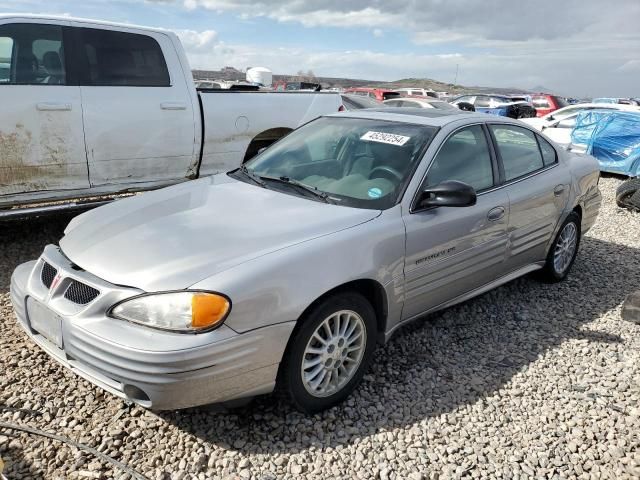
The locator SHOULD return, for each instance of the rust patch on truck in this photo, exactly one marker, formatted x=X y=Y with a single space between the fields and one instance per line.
x=27 y=165
x=14 y=147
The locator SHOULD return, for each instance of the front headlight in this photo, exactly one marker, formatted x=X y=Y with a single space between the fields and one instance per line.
x=176 y=311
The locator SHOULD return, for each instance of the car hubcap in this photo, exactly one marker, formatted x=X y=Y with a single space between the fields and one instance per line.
x=333 y=354
x=565 y=247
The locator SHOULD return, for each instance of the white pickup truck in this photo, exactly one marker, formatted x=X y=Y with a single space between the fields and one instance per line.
x=92 y=108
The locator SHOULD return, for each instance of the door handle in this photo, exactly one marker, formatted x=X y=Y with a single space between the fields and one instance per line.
x=173 y=106
x=495 y=213
x=52 y=106
x=558 y=190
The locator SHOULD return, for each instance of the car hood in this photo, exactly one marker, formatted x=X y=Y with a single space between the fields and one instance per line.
x=173 y=238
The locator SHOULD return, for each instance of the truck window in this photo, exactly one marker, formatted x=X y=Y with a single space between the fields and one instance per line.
x=6 y=49
x=31 y=54
x=121 y=59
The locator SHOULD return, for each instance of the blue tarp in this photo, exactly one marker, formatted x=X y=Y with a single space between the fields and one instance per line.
x=613 y=137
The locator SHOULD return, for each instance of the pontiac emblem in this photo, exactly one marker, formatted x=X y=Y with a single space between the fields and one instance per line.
x=55 y=282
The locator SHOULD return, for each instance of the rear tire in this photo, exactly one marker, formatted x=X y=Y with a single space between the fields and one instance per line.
x=563 y=251
x=627 y=194
x=330 y=352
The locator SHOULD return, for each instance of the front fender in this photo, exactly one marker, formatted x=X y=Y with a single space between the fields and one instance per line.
x=278 y=287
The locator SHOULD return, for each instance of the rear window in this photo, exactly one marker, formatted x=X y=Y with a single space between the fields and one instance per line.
x=549 y=156
x=540 y=102
x=388 y=95
x=518 y=149
x=122 y=59
x=31 y=54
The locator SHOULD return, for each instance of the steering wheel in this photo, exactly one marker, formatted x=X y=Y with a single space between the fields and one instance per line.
x=386 y=171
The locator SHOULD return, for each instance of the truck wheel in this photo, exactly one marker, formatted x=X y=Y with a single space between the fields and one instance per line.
x=563 y=251
x=627 y=195
x=330 y=352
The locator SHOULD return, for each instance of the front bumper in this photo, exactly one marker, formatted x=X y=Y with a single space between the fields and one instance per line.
x=156 y=369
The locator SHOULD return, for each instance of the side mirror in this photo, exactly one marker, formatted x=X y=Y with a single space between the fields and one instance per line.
x=451 y=193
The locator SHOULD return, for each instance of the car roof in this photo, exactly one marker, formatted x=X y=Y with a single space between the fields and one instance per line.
x=64 y=18
x=421 y=116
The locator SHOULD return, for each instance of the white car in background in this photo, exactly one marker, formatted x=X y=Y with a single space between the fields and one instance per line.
x=559 y=124
x=420 y=102
x=421 y=92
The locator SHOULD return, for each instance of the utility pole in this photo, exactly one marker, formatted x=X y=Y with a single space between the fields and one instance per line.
x=455 y=81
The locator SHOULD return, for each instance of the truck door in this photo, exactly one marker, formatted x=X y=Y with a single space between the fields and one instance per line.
x=41 y=137
x=139 y=119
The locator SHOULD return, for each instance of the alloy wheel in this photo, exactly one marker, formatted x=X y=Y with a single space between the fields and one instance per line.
x=565 y=248
x=333 y=353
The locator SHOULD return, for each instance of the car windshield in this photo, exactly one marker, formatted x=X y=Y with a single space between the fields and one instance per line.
x=353 y=162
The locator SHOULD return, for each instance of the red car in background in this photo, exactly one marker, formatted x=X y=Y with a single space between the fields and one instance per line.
x=379 y=94
x=546 y=103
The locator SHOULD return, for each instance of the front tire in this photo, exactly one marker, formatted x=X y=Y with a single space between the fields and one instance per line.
x=563 y=250
x=627 y=195
x=330 y=352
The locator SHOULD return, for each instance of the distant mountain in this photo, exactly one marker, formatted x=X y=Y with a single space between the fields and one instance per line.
x=230 y=73
x=541 y=89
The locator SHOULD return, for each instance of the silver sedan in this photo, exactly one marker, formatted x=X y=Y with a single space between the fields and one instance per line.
x=289 y=270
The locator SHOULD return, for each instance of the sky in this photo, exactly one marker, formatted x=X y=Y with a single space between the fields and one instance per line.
x=582 y=48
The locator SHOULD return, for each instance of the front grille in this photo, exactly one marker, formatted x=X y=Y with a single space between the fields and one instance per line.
x=80 y=293
x=48 y=274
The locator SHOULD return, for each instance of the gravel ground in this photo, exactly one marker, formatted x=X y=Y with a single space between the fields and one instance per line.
x=527 y=381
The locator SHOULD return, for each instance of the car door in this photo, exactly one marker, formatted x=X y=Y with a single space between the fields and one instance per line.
x=453 y=250
x=41 y=136
x=538 y=186
x=139 y=120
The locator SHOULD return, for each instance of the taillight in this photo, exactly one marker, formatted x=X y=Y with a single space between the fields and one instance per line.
x=341 y=108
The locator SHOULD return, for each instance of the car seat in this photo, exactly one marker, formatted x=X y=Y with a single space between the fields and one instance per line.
x=52 y=64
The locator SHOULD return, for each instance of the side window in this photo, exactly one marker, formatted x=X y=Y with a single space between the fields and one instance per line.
x=518 y=149
x=549 y=155
x=482 y=102
x=122 y=59
x=31 y=54
x=6 y=52
x=464 y=156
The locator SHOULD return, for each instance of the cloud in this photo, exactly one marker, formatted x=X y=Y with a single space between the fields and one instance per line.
x=575 y=46
x=632 y=66
x=489 y=19
x=194 y=41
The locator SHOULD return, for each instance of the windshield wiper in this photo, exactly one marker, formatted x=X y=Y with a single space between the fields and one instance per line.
x=251 y=176
x=302 y=186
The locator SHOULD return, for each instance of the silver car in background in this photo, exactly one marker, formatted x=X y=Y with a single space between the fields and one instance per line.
x=289 y=270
